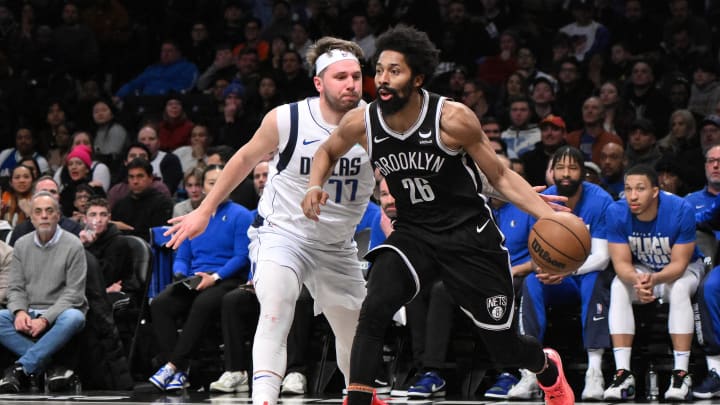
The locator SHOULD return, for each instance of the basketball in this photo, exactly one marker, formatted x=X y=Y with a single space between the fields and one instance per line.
x=559 y=243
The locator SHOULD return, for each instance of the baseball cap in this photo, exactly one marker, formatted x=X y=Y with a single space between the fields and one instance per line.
x=711 y=119
x=642 y=124
x=553 y=120
x=234 y=88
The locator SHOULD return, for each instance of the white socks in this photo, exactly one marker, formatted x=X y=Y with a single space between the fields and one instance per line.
x=622 y=357
x=681 y=360
x=595 y=358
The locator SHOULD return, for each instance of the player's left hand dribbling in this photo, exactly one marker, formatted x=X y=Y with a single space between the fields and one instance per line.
x=312 y=202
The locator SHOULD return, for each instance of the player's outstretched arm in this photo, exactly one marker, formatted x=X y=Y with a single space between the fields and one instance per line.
x=349 y=132
x=460 y=128
x=262 y=144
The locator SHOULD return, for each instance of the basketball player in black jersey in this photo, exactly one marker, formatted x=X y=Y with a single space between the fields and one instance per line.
x=430 y=151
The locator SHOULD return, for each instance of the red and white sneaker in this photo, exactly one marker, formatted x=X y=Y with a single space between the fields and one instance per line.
x=375 y=400
x=560 y=393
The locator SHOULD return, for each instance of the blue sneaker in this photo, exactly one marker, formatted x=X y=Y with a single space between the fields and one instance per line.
x=162 y=377
x=502 y=385
x=710 y=387
x=428 y=385
x=179 y=381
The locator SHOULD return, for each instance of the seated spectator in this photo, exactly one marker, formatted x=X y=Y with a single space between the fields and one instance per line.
x=651 y=239
x=682 y=136
x=120 y=189
x=573 y=90
x=77 y=168
x=32 y=164
x=165 y=165
x=542 y=93
x=552 y=137
x=238 y=122
x=110 y=137
x=592 y=137
x=268 y=96
x=46 y=298
x=644 y=98
x=475 y=97
x=587 y=36
x=193 y=186
x=642 y=144
x=523 y=133
x=195 y=154
x=219 y=258
x=671 y=176
x=6 y=256
x=173 y=73
x=617 y=113
x=25 y=146
x=83 y=194
x=244 y=194
x=175 y=127
x=100 y=171
x=144 y=207
x=48 y=185
x=704 y=198
x=15 y=206
x=223 y=67
x=253 y=40
x=515 y=87
x=101 y=238
x=705 y=89
x=612 y=169
x=293 y=80
x=58 y=147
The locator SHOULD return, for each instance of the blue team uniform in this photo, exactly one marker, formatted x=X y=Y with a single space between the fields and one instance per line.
x=515 y=225
x=591 y=291
x=651 y=242
x=708 y=295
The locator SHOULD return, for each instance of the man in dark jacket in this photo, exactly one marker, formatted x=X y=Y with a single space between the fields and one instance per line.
x=144 y=207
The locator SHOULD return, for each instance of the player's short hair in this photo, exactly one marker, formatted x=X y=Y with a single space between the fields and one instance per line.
x=325 y=44
x=644 y=170
x=420 y=53
x=569 y=152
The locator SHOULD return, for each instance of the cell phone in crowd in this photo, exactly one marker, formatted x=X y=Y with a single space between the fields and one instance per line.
x=192 y=282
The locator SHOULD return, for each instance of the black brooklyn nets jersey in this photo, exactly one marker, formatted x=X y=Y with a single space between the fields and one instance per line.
x=435 y=187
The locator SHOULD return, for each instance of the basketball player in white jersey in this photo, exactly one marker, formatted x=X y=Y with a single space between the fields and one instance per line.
x=289 y=250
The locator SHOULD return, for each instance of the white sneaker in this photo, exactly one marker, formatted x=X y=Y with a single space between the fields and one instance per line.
x=231 y=381
x=622 y=387
x=294 y=383
x=680 y=388
x=526 y=388
x=594 y=385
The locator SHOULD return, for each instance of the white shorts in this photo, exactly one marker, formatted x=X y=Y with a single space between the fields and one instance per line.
x=332 y=273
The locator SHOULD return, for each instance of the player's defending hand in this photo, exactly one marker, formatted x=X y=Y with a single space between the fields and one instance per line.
x=186 y=227
x=315 y=196
x=552 y=200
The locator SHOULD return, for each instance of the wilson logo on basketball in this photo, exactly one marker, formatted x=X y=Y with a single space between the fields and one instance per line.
x=545 y=255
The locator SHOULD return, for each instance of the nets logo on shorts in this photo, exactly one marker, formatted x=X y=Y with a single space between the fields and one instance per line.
x=496 y=306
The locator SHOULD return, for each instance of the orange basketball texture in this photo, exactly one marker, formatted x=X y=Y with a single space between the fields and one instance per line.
x=559 y=243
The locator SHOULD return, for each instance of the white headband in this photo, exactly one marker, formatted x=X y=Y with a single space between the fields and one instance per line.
x=332 y=56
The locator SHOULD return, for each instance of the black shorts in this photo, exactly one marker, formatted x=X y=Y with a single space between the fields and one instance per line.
x=472 y=261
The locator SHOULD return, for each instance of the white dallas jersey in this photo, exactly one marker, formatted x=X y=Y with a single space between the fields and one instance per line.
x=301 y=130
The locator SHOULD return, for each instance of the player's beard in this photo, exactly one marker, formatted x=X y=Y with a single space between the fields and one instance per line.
x=396 y=103
x=339 y=104
x=567 y=190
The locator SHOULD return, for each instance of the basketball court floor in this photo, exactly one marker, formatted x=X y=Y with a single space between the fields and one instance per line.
x=149 y=397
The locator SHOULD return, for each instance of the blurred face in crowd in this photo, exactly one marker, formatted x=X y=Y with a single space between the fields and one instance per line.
x=99 y=216
x=640 y=140
x=62 y=136
x=55 y=115
x=669 y=181
x=542 y=93
x=199 y=32
x=81 y=138
x=247 y=63
x=519 y=113
x=702 y=77
x=568 y=73
x=199 y=136
x=81 y=200
x=619 y=54
x=211 y=177
x=138 y=180
x=642 y=75
x=148 y=137
x=679 y=95
x=49 y=186
x=135 y=153
x=551 y=135
x=24 y=141
x=291 y=63
x=194 y=189
x=709 y=135
x=514 y=85
x=492 y=130
x=593 y=111
x=173 y=109
x=611 y=160
x=267 y=88
x=633 y=10
x=21 y=180
x=77 y=169
x=608 y=94
x=712 y=168
x=471 y=94
x=102 y=114
x=32 y=165
x=360 y=26
x=525 y=59
x=169 y=54
x=260 y=177
x=679 y=128
x=70 y=14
